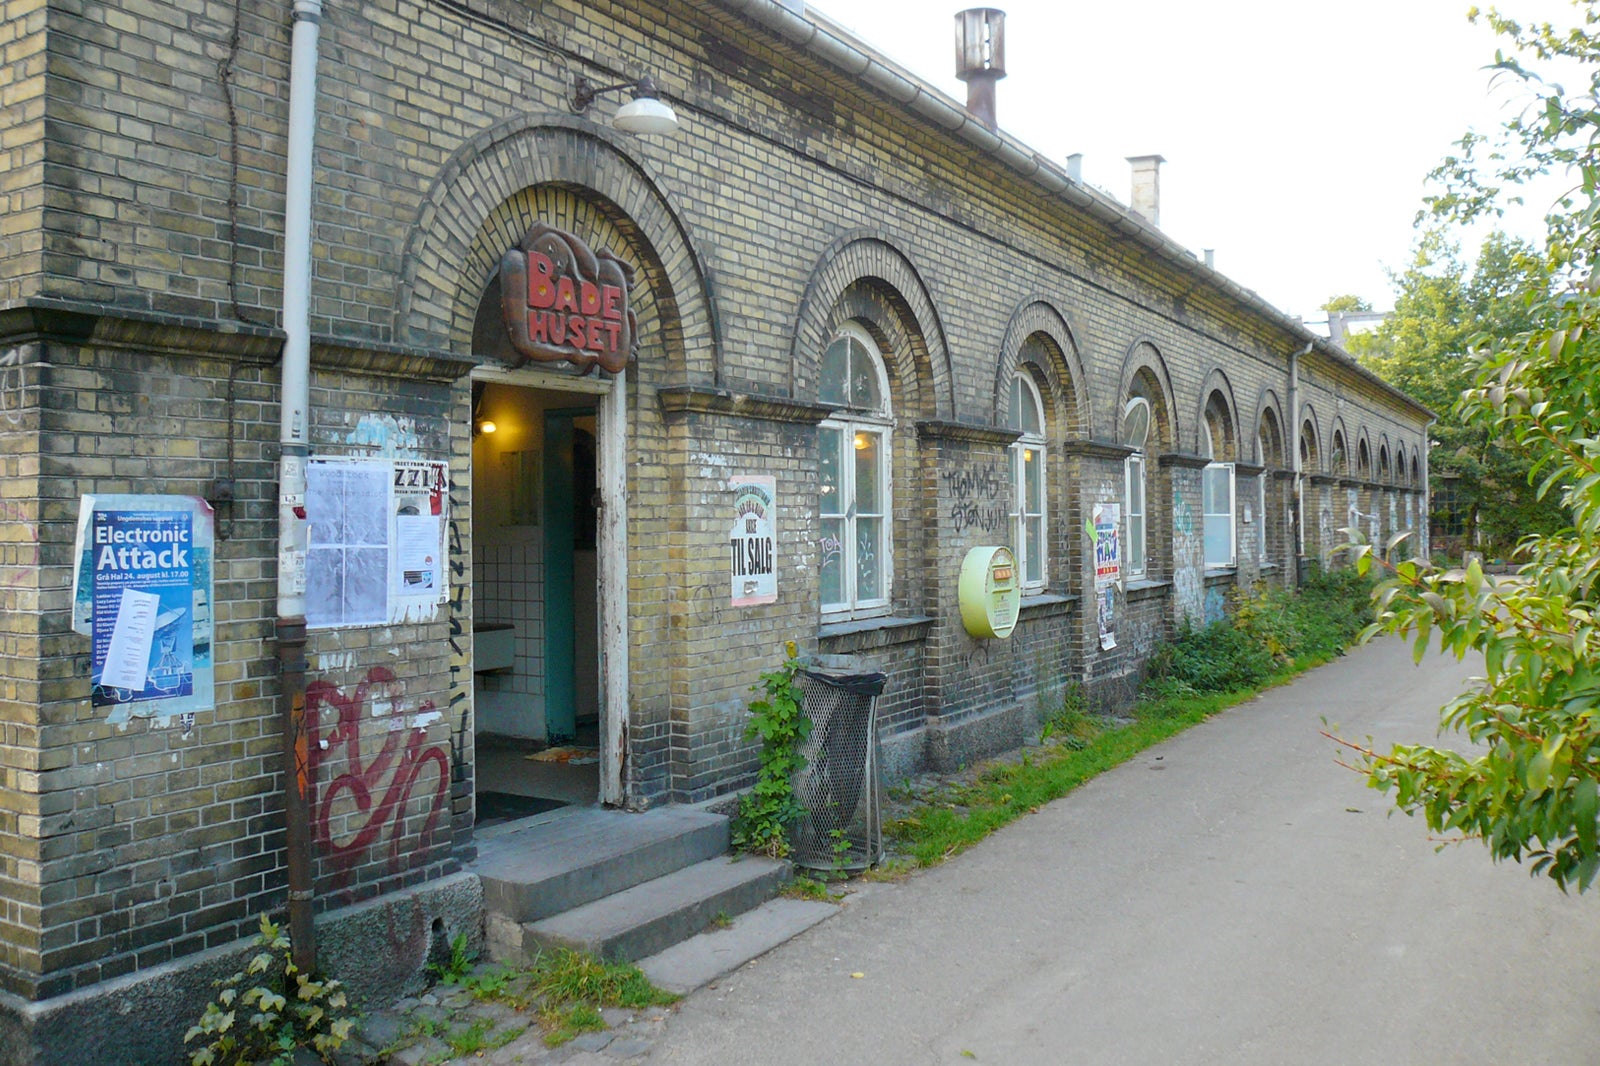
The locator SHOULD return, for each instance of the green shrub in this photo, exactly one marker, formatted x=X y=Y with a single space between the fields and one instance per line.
x=1270 y=629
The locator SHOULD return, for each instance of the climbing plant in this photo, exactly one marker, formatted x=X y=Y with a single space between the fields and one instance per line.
x=770 y=809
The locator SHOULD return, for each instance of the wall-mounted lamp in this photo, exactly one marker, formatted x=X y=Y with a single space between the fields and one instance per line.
x=645 y=113
x=487 y=426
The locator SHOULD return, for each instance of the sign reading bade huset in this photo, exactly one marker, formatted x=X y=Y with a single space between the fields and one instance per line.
x=563 y=302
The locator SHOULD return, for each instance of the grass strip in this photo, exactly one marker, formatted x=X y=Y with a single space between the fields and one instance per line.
x=958 y=818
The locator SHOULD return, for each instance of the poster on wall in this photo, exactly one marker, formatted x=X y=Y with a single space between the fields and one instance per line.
x=1103 y=534
x=376 y=551
x=142 y=594
x=753 y=540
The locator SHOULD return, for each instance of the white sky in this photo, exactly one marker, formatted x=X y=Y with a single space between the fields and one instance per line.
x=1297 y=135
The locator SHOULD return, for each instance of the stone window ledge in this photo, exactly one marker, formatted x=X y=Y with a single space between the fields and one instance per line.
x=863 y=634
x=1045 y=605
x=1146 y=589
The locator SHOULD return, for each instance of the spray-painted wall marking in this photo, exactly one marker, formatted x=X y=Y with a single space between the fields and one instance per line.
x=976 y=498
x=378 y=789
x=1182 y=516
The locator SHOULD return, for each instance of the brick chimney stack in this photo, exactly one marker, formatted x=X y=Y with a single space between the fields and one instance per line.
x=1147 y=186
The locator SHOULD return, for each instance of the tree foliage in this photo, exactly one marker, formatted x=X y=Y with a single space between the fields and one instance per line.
x=1529 y=788
x=1423 y=347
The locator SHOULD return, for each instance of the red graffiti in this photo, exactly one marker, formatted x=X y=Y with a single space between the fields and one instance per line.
x=400 y=763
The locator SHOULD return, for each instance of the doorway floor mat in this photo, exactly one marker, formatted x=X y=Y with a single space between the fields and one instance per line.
x=570 y=755
x=504 y=806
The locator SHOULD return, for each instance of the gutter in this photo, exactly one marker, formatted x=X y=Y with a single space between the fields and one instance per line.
x=294 y=450
x=841 y=49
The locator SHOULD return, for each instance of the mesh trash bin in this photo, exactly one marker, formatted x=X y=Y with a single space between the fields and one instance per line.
x=838 y=786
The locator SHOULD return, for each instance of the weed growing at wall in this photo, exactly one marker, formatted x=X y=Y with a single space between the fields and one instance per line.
x=770 y=809
x=1272 y=631
x=270 y=1009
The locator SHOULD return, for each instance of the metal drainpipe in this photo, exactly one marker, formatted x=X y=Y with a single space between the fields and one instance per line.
x=1294 y=452
x=294 y=438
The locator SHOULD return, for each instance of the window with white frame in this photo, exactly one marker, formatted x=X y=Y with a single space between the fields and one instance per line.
x=1136 y=435
x=1028 y=482
x=853 y=476
x=1217 y=492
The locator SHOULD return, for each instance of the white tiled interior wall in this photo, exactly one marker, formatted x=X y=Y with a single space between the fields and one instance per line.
x=510 y=589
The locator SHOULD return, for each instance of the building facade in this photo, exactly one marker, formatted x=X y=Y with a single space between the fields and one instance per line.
x=862 y=335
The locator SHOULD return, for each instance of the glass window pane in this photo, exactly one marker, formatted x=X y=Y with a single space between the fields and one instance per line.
x=1219 y=540
x=1136 y=486
x=829 y=439
x=1033 y=478
x=832 y=552
x=869 y=558
x=1215 y=482
x=1029 y=419
x=1014 y=418
x=1035 y=550
x=1136 y=543
x=833 y=375
x=863 y=378
x=1136 y=424
x=868 y=447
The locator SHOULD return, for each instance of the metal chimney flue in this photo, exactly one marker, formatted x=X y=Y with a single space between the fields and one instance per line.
x=1146 y=198
x=981 y=58
x=1075 y=167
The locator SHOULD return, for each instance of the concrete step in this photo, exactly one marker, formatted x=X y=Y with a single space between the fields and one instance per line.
x=703 y=958
x=651 y=917
x=550 y=867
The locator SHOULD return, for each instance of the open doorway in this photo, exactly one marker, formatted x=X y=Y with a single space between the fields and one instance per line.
x=536 y=670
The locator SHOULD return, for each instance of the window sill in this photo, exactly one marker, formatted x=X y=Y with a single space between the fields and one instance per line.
x=1045 y=604
x=1146 y=589
x=1221 y=573
x=889 y=625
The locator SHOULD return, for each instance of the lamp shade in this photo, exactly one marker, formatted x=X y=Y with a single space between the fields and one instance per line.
x=645 y=114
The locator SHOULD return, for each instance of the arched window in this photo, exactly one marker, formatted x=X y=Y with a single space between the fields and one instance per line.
x=1217 y=485
x=1269 y=453
x=1339 y=462
x=1136 y=435
x=1028 y=482
x=853 y=476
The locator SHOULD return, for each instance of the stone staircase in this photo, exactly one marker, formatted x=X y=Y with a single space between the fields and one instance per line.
x=631 y=887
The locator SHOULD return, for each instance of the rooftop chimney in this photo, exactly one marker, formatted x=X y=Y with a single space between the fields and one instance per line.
x=981 y=58
x=1075 y=167
x=1147 y=186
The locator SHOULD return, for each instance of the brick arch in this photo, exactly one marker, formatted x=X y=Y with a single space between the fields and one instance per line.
x=1217 y=384
x=436 y=298
x=1319 y=453
x=856 y=265
x=1337 y=430
x=1062 y=370
x=1144 y=360
x=1267 y=404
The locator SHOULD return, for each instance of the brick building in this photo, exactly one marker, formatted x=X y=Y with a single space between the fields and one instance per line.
x=892 y=332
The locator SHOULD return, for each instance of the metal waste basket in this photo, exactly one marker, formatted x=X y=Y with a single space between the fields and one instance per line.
x=842 y=828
